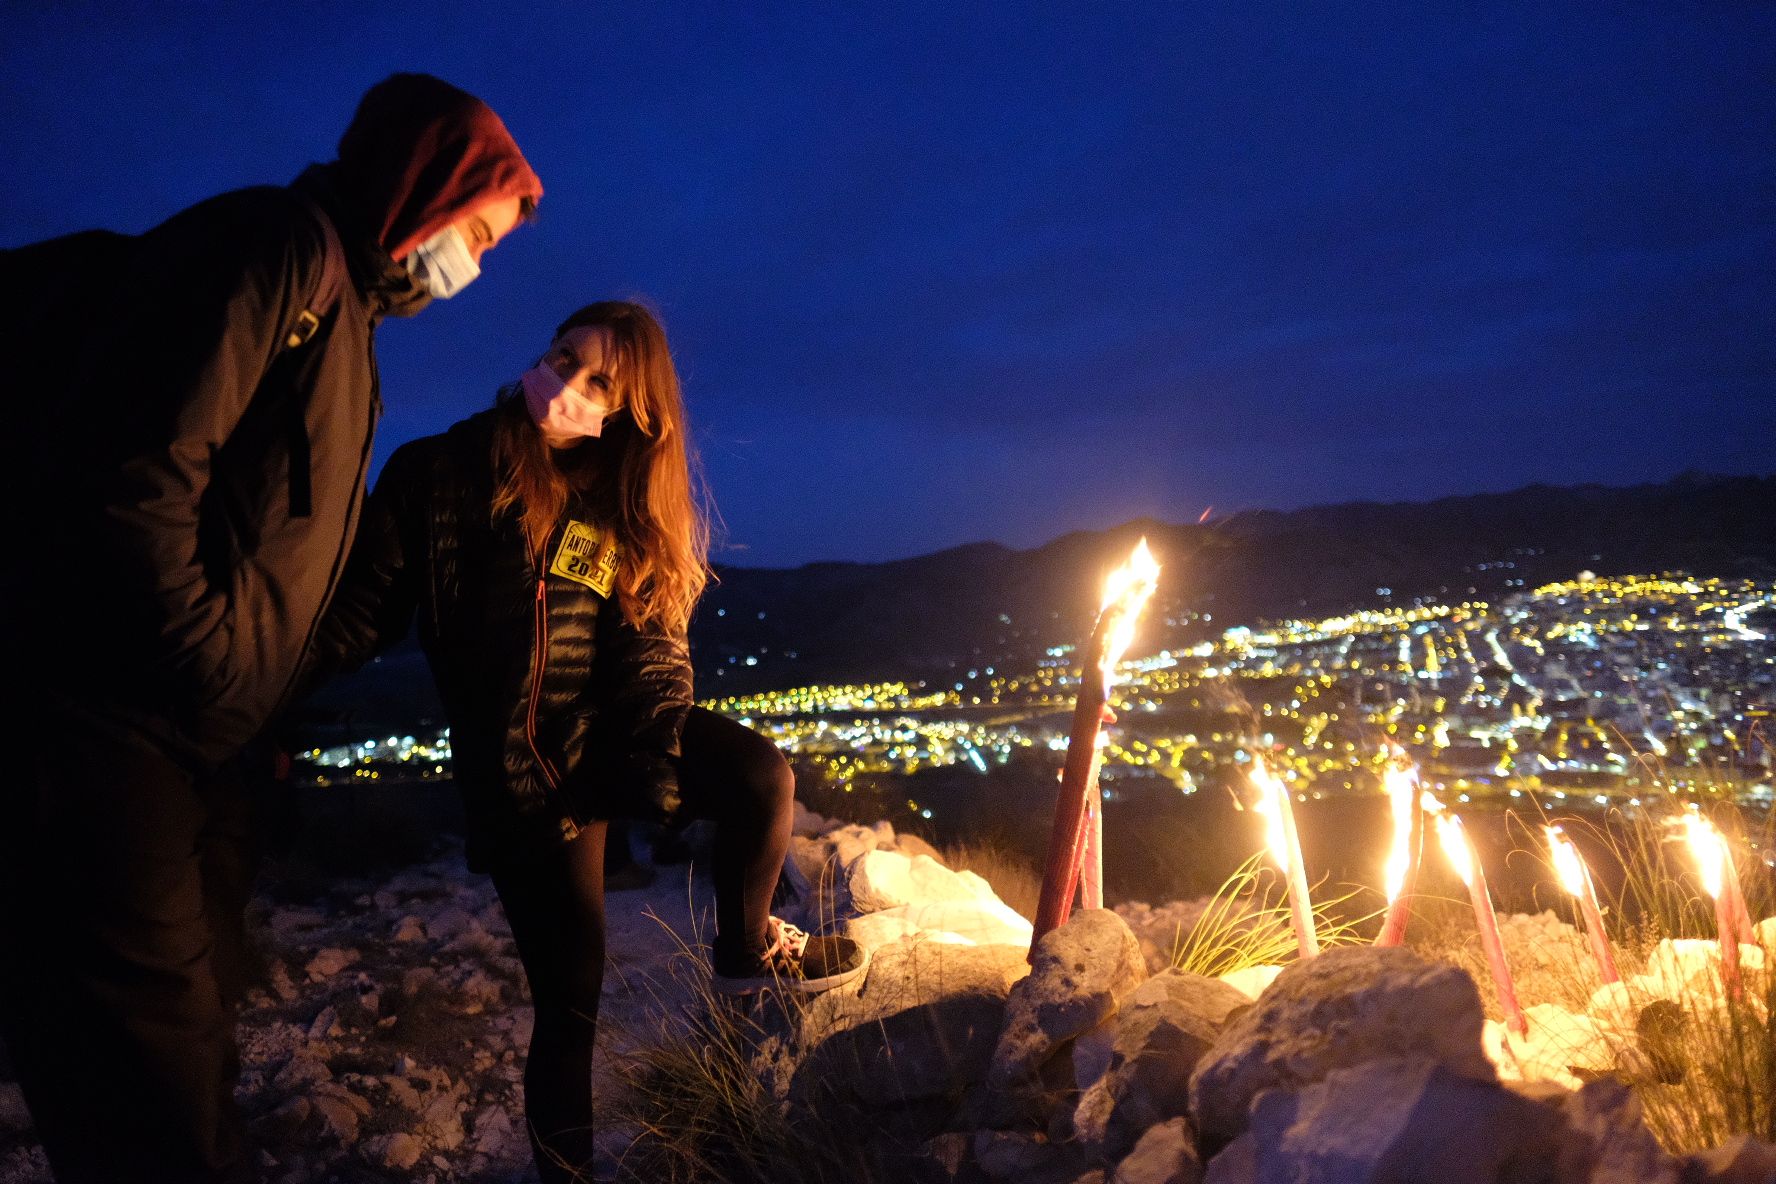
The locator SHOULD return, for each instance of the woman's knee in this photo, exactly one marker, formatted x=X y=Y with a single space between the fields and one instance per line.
x=771 y=782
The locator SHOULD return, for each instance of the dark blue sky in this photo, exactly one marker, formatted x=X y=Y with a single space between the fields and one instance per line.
x=939 y=272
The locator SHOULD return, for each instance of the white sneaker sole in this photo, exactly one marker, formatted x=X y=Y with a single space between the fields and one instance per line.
x=723 y=985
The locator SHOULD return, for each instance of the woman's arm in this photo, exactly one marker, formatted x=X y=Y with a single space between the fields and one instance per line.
x=648 y=694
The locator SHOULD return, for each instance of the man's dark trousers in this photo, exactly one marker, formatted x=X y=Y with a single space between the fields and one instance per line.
x=109 y=1003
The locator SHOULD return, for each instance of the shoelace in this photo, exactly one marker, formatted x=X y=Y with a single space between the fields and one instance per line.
x=786 y=939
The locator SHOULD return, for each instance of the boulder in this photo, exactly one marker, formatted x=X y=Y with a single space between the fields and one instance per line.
x=1237 y=1163
x=15 y=1116
x=1607 y=1142
x=284 y=1123
x=327 y=963
x=399 y=1150
x=924 y=1025
x=1025 y=1158
x=1349 y=1005
x=972 y=921
x=1211 y=1000
x=1166 y=1154
x=339 y=1119
x=849 y=843
x=1160 y=1037
x=1740 y=1160
x=881 y=879
x=1082 y=971
x=1400 y=1119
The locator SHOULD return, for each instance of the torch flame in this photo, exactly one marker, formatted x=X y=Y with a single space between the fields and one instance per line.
x=1269 y=807
x=1126 y=592
x=1709 y=849
x=1401 y=784
x=1456 y=846
x=1568 y=865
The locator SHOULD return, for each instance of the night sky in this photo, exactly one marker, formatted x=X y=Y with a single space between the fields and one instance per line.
x=948 y=272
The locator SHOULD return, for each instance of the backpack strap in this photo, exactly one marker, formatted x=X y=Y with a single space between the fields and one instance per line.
x=308 y=322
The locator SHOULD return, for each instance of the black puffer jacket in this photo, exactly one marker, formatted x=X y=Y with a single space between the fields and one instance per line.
x=560 y=710
x=171 y=584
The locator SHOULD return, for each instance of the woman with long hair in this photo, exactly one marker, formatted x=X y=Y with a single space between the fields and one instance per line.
x=552 y=549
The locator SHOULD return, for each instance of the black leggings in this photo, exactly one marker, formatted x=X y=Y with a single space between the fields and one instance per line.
x=555 y=905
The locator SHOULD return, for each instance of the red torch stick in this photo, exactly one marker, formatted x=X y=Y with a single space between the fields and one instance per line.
x=1467 y=865
x=1735 y=894
x=1091 y=860
x=1575 y=877
x=1126 y=592
x=1714 y=864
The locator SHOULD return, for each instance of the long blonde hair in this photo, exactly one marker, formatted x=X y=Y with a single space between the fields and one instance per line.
x=639 y=477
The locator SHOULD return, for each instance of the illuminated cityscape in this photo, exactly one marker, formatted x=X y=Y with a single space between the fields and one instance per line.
x=1611 y=689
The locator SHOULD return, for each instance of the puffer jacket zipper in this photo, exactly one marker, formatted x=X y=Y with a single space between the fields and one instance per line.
x=570 y=826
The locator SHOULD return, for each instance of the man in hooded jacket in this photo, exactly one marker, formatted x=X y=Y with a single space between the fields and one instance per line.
x=186 y=521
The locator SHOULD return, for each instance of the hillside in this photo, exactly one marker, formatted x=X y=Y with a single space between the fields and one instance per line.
x=923 y=617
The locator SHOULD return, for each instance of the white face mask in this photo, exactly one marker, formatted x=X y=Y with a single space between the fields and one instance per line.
x=442 y=264
x=561 y=411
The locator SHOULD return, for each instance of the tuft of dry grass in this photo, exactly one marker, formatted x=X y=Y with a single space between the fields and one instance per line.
x=1014 y=878
x=1703 y=1065
x=1248 y=922
x=694 y=1093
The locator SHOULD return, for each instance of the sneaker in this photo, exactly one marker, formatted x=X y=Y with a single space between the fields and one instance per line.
x=798 y=963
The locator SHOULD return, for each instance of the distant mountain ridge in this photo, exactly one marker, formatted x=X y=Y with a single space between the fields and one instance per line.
x=928 y=616
x=925 y=616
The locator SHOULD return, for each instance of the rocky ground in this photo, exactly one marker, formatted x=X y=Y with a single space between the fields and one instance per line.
x=386 y=1045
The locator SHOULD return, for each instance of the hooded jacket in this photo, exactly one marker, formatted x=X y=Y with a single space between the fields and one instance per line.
x=182 y=582
x=561 y=710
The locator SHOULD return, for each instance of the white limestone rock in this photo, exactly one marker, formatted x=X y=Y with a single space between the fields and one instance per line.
x=329 y=962
x=1082 y=971
x=882 y=879
x=1349 y=1005
x=398 y=1150
x=1561 y=1047
x=1166 y=1154
x=850 y=843
x=1252 y=981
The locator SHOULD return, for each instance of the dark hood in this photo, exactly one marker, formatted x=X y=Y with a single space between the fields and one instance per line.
x=420 y=154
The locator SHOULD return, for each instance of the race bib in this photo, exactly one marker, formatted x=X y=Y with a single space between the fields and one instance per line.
x=588 y=556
